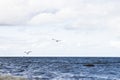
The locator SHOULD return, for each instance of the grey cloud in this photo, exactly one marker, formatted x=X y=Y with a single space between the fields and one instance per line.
x=23 y=12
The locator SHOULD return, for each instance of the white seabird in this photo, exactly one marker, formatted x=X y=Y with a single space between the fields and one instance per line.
x=56 y=40
x=27 y=52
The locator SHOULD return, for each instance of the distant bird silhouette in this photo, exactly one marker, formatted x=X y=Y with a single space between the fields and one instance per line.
x=27 y=52
x=56 y=40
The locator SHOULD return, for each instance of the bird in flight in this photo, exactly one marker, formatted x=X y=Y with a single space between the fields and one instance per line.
x=27 y=52
x=56 y=40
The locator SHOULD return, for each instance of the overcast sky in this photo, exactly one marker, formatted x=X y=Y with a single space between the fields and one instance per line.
x=85 y=27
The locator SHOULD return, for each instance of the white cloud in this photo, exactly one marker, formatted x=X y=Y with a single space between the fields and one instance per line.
x=39 y=40
x=12 y=13
x=37 y=12
x=20 y=12
x=115 y=44
x=84 y=26
x=49 y=18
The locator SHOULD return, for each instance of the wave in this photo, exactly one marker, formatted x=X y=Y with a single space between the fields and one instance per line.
x=61 y=76
x=10 y=77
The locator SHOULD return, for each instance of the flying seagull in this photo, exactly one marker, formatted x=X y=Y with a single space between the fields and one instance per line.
x=56 y=40
x=27 y=52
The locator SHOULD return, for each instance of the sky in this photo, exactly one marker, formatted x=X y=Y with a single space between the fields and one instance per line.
x=85 y=28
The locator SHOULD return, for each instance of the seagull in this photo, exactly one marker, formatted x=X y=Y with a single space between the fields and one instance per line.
x=56 y=40
x=27 y=52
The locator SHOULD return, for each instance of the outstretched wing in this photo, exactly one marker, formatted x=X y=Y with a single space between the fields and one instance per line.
x=27 y=52
x=56 y=40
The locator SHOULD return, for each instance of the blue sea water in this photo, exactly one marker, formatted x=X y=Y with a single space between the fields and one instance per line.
x=62 y=68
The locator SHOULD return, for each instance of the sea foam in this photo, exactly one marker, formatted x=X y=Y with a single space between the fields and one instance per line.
x=9 y=77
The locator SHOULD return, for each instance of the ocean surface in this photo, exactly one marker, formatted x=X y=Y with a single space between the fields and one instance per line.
x=61 y=68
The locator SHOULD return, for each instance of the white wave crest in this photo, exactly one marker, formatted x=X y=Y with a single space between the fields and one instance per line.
x=9 y=77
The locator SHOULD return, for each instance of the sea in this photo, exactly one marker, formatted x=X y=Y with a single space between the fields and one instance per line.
x=62 y=68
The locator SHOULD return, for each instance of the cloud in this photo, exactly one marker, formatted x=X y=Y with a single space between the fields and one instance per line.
x=97 y=15
x=39 y=40
x=59 y=17
x=11 y=12
x=83 y=26
x=19 y=12
x=82 y=13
